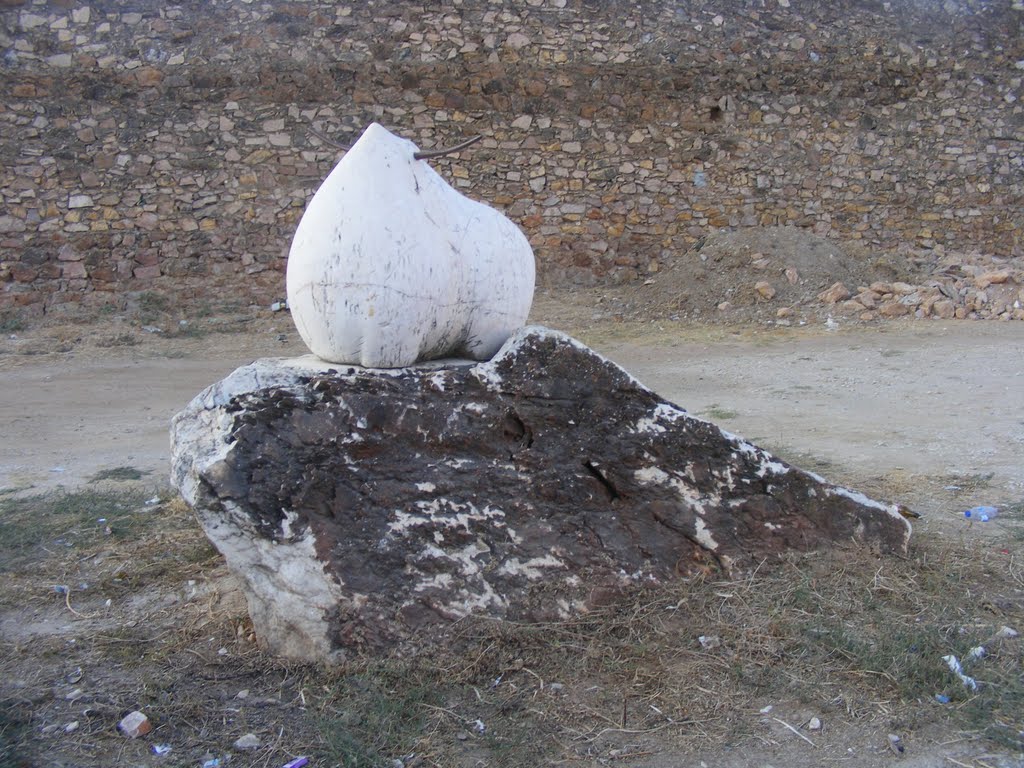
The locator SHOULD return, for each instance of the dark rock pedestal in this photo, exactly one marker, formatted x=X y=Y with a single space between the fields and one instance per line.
x=367 y=509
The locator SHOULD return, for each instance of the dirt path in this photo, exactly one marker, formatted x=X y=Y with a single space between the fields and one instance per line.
x=914 y=408
x=928 y=414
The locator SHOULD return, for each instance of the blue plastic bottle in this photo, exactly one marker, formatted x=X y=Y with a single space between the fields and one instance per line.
x=981 y=514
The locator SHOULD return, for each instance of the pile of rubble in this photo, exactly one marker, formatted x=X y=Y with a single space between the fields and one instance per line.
x=985 y=289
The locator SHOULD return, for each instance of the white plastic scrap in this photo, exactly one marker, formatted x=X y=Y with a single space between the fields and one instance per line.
x=954 y=666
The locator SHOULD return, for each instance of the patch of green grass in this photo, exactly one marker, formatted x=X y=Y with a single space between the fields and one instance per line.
x=186 y=330
x=38 y=526
x=717 y=413
x=11 y=321
x=997 y=709
x=118 y=473
x=152 y=304
x=120 y=340
x=12 y=733
x=375 y=715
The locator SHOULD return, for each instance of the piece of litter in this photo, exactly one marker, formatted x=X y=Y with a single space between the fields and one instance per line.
x=135 y=724
x=151 y=502
x=248 y=741
x=942 y=698
x=213 y=762
x=954 y=666
x=794 y=730
x=60 y=589
x=896 y=744
x=709 y=642
x=298 y=762
x=71 y=727
x=977 y=652
x=478 y=726
x=766 y=710
x=1006 y=633
x=982 y=514
x=161 y=749
x=57 y=469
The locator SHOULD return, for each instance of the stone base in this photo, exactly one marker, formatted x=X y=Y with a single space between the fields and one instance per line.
x=367 y=509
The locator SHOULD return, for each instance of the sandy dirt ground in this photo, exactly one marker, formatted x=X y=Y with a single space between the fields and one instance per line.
x=927 y=413
x=930 y=401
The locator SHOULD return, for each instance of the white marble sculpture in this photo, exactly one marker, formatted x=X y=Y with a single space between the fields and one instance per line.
x=390 y=265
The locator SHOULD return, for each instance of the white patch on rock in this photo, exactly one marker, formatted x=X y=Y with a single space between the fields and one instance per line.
x=531 y=568
x=860 y=498
x=287 y=588
x=649 y=424
x=286 y=524
x=704 y=537
x=293 y=623
x=438 y=381
x=663 y=412
x=766 y=462
x=390 y=264
x=649 y=475
x=426 y=487
x=447 y=513
x=464 y=556
x=437 y=581
x=688 y=495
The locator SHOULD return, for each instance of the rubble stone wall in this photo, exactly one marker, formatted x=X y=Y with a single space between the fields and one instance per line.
x=152 y=146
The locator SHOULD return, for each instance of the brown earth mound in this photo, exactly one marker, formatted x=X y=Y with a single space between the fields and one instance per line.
x=786 y=274
x=753 y=273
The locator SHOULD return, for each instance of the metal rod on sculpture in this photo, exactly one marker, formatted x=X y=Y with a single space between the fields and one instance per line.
x=427 y=154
